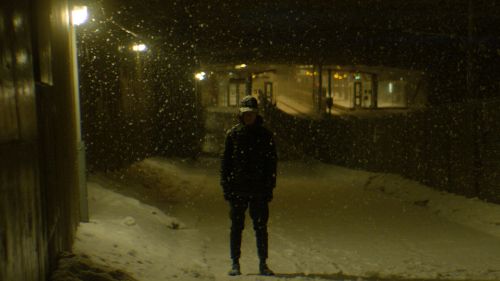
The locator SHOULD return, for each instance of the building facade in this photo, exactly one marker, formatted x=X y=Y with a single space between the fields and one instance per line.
x=314 y=91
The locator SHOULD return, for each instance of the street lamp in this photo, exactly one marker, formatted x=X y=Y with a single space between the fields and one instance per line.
x=200 y=76
x=139 y=47
x=79 y=15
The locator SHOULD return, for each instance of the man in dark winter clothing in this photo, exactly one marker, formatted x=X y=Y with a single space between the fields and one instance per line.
x=248 y=177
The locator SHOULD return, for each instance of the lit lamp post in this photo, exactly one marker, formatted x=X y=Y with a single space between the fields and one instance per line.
x=139 y=85
x=139 y=47
x=199 y=76
x=79 y=15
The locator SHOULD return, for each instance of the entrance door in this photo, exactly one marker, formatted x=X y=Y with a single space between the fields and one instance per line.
x=367 y=98
x=358 y=94
x=268 y=91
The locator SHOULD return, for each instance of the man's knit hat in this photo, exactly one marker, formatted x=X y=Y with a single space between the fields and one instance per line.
x=249 y=104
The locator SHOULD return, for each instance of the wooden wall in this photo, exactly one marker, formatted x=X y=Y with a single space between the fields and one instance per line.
x=38 y=155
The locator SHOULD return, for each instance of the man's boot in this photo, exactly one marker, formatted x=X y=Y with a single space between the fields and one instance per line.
x=264 y=269
x=235 y=269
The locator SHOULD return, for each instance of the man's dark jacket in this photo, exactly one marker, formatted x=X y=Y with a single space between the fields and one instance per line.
x=248 y=166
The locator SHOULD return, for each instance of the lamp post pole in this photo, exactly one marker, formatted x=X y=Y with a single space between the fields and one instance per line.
x=79 y=16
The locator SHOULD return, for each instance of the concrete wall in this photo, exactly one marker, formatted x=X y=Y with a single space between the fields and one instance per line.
x=38 y=138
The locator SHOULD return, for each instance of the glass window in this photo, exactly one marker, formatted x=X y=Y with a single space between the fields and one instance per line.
x=392 y=93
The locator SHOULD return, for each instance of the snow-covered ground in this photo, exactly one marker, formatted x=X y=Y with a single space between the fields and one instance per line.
x=166 y=220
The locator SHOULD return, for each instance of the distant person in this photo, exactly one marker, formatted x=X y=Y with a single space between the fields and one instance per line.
x=248 y=177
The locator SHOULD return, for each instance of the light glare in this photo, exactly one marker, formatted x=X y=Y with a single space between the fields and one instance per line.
x=200 y=75
x=79 y=15
x=139 y=47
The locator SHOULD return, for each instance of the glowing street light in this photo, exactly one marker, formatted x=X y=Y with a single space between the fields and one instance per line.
x=200 y=76
x=139 y=47
x=79 y=15
x=240 y=66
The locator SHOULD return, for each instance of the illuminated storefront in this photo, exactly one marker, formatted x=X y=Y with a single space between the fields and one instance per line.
x=309 y=90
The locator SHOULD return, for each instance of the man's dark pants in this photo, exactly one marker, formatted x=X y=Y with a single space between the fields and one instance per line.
x=259 y=212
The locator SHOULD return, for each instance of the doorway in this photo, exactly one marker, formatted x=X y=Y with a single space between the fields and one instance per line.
x=358 y=93
x=268 y=91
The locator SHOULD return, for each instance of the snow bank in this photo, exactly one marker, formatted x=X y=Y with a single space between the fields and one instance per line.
x=73 y=267
x=138 y=238
x=154 y=178
x=472 y=212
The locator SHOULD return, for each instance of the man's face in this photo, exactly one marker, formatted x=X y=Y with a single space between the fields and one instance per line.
x=249 y=117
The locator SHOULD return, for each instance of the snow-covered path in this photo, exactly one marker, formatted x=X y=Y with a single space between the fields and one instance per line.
x=326 y=223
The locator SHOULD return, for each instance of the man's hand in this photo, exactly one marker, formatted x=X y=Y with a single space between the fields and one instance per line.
x=228 y=196
x=228 y=193
x=269 y=196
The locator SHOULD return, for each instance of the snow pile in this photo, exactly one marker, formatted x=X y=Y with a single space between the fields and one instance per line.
x=153 y=180
x=80 y=268
x=138 y=238
x=471 y=212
